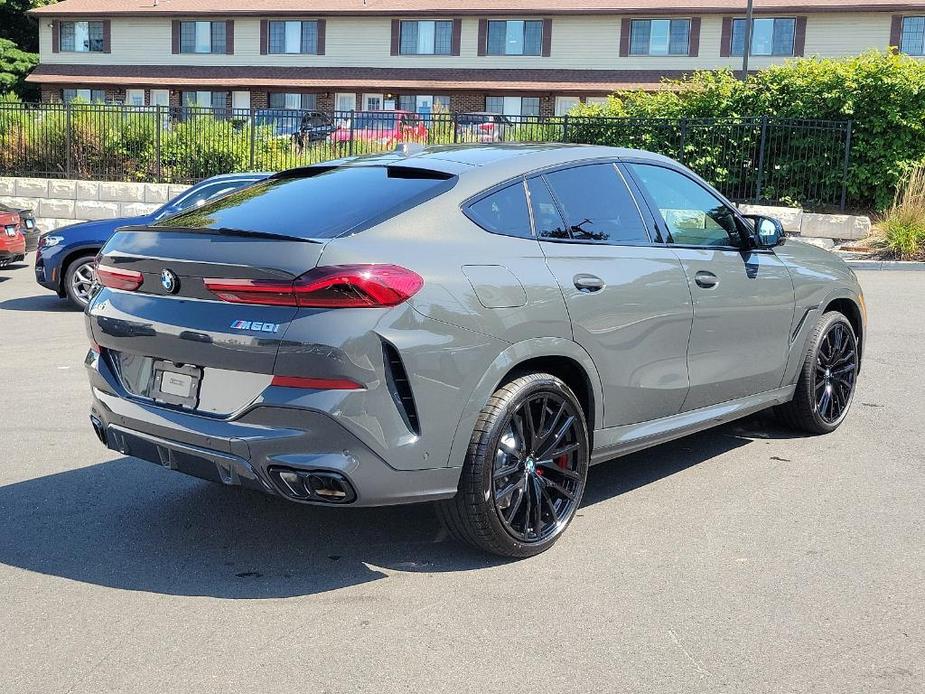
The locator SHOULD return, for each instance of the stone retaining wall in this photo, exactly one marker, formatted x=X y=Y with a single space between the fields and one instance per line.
x=57 y=202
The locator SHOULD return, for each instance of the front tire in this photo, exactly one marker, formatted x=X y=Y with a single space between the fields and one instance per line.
x=79 y=279
x=525 y=470
x=826 y=384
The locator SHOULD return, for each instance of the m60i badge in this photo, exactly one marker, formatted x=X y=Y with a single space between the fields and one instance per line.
x=255 y=326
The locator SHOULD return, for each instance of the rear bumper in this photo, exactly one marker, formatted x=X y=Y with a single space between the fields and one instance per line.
x=241 y=451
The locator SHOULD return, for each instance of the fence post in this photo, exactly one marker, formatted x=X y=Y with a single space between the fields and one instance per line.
x=352 y=114
x=253 y=120
x=761 y=148
x=565 y=128
x=158 y=154
x=683 y=140
x=455 y=124
x=67 y=139
x=844 y=180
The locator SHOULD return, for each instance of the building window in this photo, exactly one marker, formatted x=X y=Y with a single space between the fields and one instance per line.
x=81 y=37
x=913 y=36
x=134 y=97
x=294 y=37
x=660 y=37
x=426 y=38
x=770 y=36
x=515 y=37
x=513 y=105
x=94 y=96
x=215 y=100
x=293 y=102
x=202 y=37
x=425 y=105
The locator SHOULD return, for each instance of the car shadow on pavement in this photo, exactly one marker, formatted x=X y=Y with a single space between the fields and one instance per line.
x=41 y=302
x=131 y=525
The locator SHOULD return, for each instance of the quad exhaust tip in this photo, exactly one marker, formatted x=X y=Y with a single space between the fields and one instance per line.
x=313 y=485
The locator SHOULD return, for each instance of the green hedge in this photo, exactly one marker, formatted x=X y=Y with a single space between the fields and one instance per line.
x=883 y=94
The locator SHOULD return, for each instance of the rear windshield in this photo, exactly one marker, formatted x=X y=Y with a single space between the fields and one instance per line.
x=319 y=203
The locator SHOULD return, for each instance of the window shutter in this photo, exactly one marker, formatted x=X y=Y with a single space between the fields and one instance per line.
x=264 y=36
x=799 y=37
x=896 y=32
x=625 y=28
x=396 y=36
x=547 y=37
x=725 y=40
x=107 y=36
x=176 y=36
x=694 y=49
x=229 y=37
x=483 y=37
x=457 y=37
x=320 y=30
x=56 y=36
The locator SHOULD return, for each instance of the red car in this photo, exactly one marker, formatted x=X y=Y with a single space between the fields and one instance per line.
x=12 y=242
x=385 y=127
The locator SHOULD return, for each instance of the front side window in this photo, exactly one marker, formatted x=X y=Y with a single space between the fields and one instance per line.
x=293 y=37
x=202 y=37
x=81 y=37
x=503 y=212
x=912 y=41
x=693 y=215
x=513 y=105
x=515 y=37
x=95 y=96
x=426 y=37
x=597 y=205
x=660 y=37
x=293 y=101
x=770 y=36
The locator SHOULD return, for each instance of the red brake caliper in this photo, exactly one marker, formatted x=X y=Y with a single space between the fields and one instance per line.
x=562 y=461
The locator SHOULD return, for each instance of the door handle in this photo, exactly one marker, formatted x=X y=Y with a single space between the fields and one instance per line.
x=588 y=283
x=706 y=280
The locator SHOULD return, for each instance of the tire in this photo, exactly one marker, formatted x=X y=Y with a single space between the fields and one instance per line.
x=75 y=287
x=824 y=372
x=546 y=464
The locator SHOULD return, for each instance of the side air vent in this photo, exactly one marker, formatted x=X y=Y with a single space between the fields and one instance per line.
x=400 y=387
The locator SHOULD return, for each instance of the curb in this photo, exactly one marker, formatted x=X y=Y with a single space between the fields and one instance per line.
x=885 y=265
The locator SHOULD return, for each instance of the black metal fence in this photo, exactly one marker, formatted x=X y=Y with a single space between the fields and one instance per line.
x=762 y=159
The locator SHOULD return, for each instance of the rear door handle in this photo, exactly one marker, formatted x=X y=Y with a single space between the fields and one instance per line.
x=706 y=280
x=588 y=283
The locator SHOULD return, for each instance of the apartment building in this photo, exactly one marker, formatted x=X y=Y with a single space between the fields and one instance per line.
x=518 y=57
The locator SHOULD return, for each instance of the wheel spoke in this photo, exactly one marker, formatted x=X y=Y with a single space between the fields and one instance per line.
x=551 y=484
x=515 y=506
x=507 y=470
x=537 y=507
x=548 y=445
x=507 y=491
x=565 y=450
x=565 y=472
x=550 y=505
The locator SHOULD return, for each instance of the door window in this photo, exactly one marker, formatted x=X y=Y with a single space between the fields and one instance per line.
x=546 y=218
x=693 y=215
x=597 y=205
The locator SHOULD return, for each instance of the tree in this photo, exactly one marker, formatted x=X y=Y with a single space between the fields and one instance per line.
x=19 y=44
x=15 y=64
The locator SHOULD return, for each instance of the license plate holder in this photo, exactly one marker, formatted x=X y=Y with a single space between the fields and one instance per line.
x=175 y=384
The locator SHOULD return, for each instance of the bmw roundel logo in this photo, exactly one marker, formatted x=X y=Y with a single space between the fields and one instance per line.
x=169 y=281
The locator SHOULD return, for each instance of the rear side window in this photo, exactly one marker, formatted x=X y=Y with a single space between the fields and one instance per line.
x=319 y=203
x=503 y=212
x=597 y=205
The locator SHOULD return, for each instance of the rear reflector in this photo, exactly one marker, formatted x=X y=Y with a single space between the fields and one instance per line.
x=315 y=383
x=117 y=278
x=338 y=286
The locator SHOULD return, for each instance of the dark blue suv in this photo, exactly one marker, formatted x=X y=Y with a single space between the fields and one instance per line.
x=64 y=259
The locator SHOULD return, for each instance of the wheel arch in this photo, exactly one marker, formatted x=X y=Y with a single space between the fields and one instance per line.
x=560 y=357
x=852 y=311
x=71 y=256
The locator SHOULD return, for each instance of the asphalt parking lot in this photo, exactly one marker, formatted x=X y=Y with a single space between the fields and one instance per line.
x=739 y=560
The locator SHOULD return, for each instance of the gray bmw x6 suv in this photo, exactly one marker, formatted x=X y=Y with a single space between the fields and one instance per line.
x=474 y=325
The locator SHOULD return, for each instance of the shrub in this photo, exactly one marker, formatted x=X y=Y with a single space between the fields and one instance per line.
x=903 y=224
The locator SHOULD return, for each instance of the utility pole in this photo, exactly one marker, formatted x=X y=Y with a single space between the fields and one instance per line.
x=747 y=45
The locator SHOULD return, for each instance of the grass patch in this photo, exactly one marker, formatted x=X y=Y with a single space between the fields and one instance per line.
x=903 y=225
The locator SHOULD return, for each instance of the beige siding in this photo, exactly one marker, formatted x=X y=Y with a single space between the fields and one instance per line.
x=577 y=43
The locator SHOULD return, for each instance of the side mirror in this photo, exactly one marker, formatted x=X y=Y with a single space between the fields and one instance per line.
x=769 y=232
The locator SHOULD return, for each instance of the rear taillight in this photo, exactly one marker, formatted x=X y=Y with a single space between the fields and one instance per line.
x=316 y=383
x=338 y=286
x=118 y=278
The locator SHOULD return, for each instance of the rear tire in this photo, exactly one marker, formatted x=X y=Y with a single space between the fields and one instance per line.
x=825 y=387
x=78 y=280
x=525 y=469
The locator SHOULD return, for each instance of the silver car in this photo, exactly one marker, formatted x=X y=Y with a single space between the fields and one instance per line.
x=472 y=325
